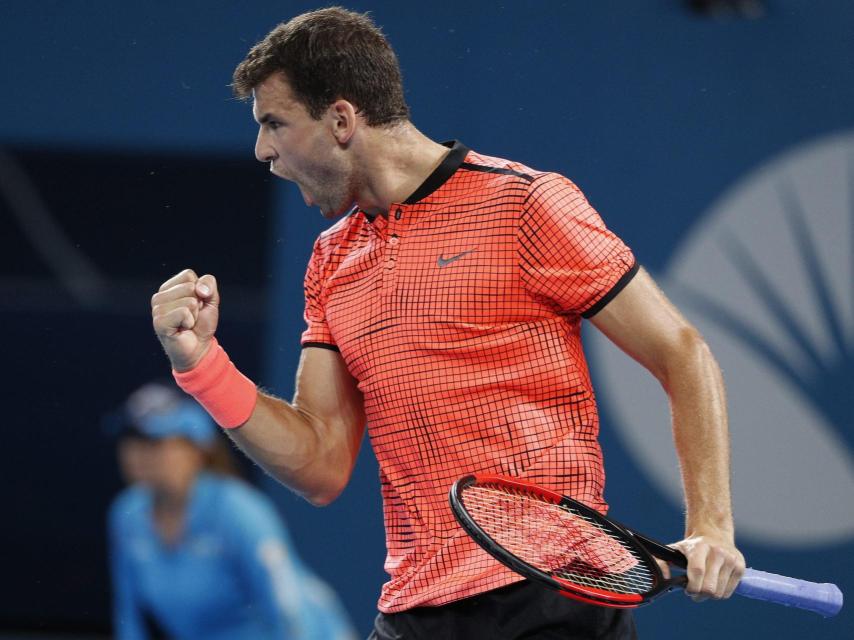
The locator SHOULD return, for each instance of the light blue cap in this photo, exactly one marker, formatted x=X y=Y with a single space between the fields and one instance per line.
x=159 y=411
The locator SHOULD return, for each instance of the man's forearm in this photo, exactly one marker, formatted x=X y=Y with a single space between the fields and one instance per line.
x=698 y=405
x=306 y=454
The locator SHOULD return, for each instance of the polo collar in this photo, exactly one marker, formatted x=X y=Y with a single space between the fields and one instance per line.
x=442 y=173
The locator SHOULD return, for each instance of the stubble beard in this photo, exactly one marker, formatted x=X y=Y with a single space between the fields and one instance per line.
x=341 y=199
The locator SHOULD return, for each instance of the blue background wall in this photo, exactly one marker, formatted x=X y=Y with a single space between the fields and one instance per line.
x=652 y=111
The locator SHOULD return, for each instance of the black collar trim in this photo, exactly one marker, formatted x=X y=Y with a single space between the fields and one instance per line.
x=442 y=173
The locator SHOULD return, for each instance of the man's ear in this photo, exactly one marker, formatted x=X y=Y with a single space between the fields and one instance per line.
x=344 y=120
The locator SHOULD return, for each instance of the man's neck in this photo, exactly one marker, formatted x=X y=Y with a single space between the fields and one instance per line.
x=399 y=160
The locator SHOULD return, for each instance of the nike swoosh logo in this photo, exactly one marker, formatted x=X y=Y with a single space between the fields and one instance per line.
x=444 y=262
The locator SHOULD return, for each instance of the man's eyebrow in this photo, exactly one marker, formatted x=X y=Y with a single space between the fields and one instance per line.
x=265 y=118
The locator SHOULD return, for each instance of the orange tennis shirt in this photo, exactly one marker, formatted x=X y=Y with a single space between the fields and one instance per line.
x=459 y=316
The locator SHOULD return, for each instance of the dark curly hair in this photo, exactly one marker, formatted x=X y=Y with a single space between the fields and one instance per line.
x=326 y=55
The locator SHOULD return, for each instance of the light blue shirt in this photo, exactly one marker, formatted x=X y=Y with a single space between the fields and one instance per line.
x=233 y=574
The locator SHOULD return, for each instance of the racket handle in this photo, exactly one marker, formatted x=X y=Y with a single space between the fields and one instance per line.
x=824 y=599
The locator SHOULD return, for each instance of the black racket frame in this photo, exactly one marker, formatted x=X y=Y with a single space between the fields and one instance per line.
x=644 y=546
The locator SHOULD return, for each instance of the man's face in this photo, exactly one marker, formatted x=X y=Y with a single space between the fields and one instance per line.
x=302 y=149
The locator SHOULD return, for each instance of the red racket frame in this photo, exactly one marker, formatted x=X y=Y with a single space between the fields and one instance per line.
x=583 y=593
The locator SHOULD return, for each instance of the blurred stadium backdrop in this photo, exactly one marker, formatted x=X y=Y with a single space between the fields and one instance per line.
x=719 y=146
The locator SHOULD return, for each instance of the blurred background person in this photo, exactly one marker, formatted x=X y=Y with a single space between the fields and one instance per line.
x=194 y=551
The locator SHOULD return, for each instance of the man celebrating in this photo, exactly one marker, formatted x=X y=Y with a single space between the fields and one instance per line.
x=444 y=311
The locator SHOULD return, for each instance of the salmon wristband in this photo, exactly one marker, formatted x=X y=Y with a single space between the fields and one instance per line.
x=216 y=384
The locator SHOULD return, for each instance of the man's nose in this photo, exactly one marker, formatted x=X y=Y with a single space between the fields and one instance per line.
x=264 y=152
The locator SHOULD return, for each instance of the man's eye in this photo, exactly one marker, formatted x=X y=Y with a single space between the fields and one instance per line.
x=273 y=125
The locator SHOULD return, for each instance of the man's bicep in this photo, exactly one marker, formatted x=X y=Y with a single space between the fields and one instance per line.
x=326 y=391
x=645 y=324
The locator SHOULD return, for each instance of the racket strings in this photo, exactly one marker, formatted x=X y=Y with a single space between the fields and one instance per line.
x=557 y=540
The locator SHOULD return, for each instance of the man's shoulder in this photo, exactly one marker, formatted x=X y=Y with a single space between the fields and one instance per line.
x=539 y=181
x=475 y=161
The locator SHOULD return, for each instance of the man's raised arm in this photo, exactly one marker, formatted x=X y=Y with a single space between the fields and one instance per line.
x=310 y=444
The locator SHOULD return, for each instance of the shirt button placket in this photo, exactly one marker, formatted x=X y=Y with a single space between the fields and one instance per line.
x=390 y=270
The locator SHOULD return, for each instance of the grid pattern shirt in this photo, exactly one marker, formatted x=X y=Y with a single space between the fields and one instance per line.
x=459 y=316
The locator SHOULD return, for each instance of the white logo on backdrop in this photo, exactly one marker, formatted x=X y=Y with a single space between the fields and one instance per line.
x=767 y=275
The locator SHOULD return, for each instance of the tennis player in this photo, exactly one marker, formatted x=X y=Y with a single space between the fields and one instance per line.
x=444 y=309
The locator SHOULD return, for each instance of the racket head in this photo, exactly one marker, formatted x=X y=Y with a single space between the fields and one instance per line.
x=556 y=541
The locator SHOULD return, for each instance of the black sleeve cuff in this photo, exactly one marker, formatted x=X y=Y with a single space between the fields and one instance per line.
x=321 y=345
x=619 y=286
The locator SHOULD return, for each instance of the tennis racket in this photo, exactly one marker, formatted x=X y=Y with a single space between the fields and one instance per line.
x=574 y=549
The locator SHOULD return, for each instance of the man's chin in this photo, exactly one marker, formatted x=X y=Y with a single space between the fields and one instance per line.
x=330 y=214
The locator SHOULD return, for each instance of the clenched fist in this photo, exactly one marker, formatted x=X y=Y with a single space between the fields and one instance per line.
x=185 y=312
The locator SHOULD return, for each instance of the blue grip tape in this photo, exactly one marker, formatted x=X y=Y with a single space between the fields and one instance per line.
x=824 y=599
